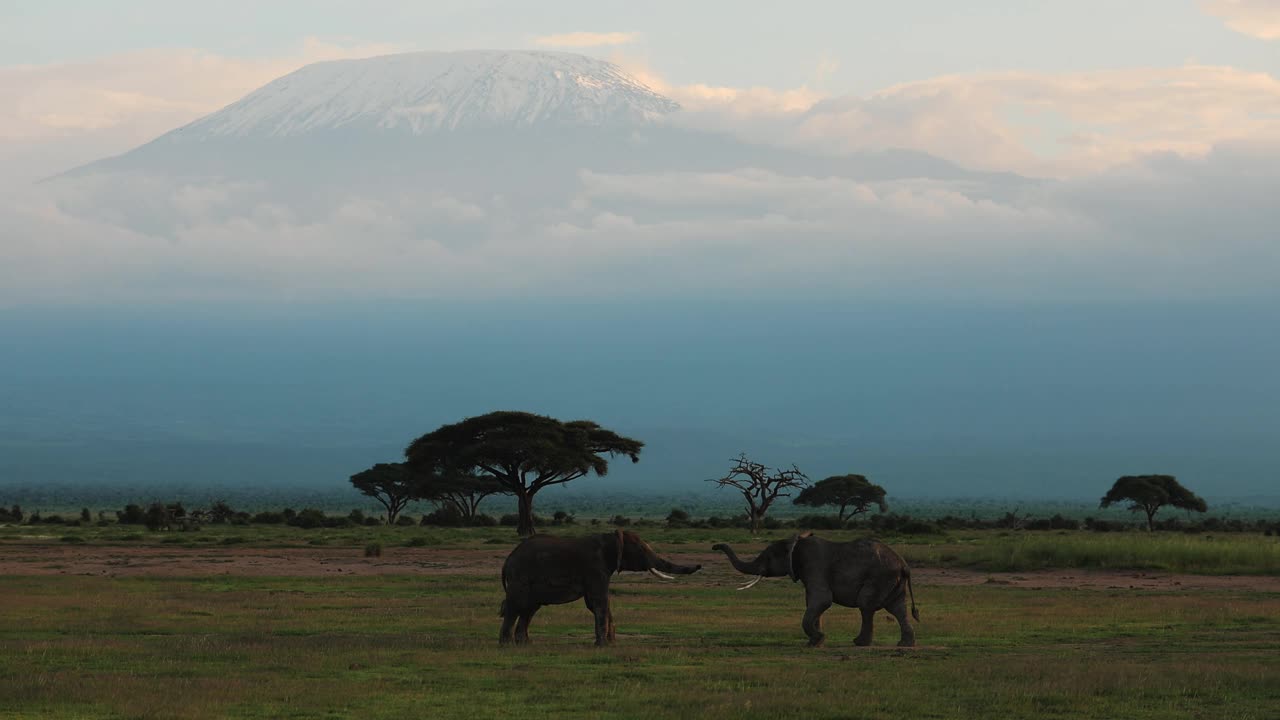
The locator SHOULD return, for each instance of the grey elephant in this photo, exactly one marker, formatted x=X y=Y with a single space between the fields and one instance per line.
x=547 y=570
x=863 y=574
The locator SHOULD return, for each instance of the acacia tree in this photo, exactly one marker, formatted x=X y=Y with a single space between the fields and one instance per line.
x=394 y=485
x=522 y=452
x=759 y=486
x=461 y=493
x=1149 y=493
x=854 y=493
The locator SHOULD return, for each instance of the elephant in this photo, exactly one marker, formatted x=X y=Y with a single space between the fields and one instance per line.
x=548 y=570
x=864 y=574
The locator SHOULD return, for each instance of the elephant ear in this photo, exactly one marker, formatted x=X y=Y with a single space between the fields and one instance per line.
x=617 y=566
x=791 y=551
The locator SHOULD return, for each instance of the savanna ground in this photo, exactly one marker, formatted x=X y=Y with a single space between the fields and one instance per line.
x=279 y=622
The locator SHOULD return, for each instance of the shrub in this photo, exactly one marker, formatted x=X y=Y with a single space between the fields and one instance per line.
x=221 y=513
x=267 y=518
x=561 y=517
x=620 y=521
x=308 y=519
x=416 y=542
x=373 y=549
x=85 y=516
x=819 y=522
x=405 y=521
x=356 y=517
x=483 y=520
x=918 y=527
x=677 y=518
x=444 y=516
x=372 y=521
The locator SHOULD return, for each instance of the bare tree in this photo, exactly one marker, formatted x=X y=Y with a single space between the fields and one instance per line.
x=760 y=486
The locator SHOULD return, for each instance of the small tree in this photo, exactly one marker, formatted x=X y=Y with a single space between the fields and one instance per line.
x=522 y=452
x=1149 y=493
x=853 y=493
x=394 y=485
x=462 y=494
x=760 y=487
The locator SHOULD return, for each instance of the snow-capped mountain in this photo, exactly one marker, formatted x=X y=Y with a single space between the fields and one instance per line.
x=425 y=92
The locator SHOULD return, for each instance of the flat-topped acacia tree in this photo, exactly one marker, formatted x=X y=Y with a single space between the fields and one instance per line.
x=853 y=493
x=1149 y=493
x=392 y=484
x=522 y=452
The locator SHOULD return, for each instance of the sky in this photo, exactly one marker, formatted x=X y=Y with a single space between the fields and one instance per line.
x=1096 y=199
x=83 y=78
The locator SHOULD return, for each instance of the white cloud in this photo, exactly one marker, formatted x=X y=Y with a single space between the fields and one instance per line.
x=1259 y=18
x=57 y=116
x=586 y=39
x=1165 y=226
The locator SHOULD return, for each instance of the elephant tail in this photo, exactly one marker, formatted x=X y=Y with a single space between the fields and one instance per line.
x=914 y=612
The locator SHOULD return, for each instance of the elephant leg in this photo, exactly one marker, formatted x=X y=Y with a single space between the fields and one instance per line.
x=899 y=611
x=816 y=603
x=868 y=628
x=522 y=626
x=508 y=620
x=603 y=614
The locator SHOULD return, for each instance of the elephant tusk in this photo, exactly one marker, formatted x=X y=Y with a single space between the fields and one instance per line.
x=753 y=582
x=659 y=573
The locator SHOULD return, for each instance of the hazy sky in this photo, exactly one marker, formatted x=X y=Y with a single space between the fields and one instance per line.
x=1076 y=83
x=1157 y=121
x=1084 y=274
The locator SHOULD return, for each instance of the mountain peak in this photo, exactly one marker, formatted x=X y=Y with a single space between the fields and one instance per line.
x=426 y=92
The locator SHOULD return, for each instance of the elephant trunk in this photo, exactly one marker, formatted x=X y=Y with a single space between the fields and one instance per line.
x=755 y=567
x=663 y=565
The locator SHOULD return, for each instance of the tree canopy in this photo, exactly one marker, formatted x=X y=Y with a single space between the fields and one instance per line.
x=522 y=452
x=394 y=485
x=1149 y=493
x=853 y=493
x=760 y=486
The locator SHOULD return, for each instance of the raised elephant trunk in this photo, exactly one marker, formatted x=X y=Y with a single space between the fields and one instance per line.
x=755 y=567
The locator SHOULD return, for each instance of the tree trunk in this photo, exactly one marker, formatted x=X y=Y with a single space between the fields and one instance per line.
x=1151 y=519
x=525 y=528
x=756 y=519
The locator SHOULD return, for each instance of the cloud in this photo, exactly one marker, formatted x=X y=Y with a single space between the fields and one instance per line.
x=112 y=104
x=1164 y=226
x=1063 y=125
x=1258 y=18
x=586 y=39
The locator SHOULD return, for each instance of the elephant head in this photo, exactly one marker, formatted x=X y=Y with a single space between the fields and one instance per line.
x=626 y=551
x=778 y=560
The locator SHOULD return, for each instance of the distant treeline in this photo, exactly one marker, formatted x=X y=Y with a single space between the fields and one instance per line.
x=67 y=499
x=174 y=516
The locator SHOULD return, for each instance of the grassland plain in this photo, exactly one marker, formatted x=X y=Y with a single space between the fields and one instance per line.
x=214 y=645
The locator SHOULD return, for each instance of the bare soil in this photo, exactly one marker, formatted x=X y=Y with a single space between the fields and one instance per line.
x=117 y=561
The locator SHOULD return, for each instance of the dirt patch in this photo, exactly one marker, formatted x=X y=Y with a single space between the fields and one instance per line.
x=124 y=561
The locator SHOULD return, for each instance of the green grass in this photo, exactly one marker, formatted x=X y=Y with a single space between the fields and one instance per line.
x=1217 y=554
x=392 y=647
x=1227 y=554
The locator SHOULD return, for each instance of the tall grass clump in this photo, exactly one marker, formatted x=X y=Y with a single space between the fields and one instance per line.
x=1199 y=554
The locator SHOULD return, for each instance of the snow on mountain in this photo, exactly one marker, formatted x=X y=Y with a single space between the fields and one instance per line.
x=426 y=92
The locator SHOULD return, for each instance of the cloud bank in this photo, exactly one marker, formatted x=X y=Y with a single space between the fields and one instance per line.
x=1258 y=18
x=1160 y=183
